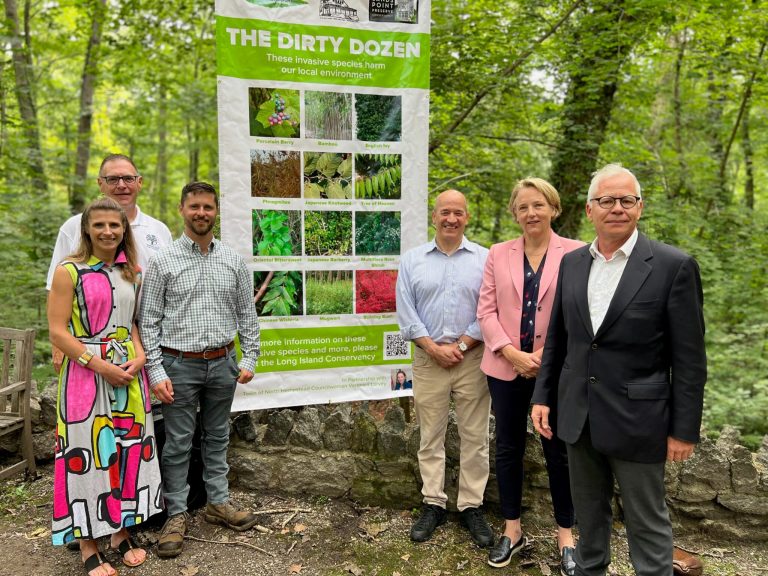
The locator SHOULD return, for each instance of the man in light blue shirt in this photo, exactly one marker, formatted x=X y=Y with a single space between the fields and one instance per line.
x=437 y=290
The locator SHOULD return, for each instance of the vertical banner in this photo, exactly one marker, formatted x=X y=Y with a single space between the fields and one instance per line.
x=323 y=109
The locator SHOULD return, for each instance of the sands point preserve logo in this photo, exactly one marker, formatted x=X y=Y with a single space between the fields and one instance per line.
x=404 y=11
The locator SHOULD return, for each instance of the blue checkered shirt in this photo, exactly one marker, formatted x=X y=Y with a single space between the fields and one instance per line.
x=192 y=302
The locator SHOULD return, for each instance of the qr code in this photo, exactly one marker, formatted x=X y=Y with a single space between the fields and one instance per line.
x=395 y=348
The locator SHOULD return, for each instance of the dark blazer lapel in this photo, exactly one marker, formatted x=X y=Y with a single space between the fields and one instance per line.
x=580 y=285
x=637 y=270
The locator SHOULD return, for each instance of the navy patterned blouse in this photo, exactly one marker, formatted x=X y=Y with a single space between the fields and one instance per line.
x=530 y=303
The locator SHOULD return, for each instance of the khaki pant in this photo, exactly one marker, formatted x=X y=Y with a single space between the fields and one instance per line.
x=433 y=387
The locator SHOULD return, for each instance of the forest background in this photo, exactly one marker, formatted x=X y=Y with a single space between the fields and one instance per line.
x=676 y=91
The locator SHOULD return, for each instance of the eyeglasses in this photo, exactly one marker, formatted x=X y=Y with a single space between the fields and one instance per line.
x=608 y=202
x=113 y=180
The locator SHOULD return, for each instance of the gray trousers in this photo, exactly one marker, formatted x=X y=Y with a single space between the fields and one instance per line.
x=211 y=385
x=649 y=530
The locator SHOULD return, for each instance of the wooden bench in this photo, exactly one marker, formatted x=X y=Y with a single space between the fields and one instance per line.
x=15 y=394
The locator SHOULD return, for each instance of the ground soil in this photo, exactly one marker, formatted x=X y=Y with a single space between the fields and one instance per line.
x=315 y=536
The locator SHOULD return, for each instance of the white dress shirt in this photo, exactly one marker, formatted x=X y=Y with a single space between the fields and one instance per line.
x=604 y=278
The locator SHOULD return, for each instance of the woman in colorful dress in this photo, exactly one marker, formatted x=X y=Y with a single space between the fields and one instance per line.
x=106 y=474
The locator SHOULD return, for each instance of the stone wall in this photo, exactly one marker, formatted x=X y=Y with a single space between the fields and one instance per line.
x=335 y=451
x=340 y=451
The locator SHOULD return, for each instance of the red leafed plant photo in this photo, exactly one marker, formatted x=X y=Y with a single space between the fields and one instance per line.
x=375 y=291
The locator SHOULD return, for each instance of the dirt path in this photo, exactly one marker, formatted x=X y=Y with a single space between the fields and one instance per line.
x=312 y=536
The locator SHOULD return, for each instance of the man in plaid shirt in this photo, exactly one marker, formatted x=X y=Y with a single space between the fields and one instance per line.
x=196 y=296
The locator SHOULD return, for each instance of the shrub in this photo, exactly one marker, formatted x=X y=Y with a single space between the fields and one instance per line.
x=375 y=291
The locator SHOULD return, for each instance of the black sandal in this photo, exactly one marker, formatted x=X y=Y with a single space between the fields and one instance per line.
x=126 y=546
x=94 y=561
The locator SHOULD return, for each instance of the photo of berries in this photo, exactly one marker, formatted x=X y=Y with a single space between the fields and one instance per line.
x=274 y=112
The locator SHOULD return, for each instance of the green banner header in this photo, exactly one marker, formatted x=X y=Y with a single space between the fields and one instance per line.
x=316 y=348
x=264 y=50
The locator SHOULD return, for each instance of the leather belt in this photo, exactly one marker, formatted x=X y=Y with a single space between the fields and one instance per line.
x=210 y=354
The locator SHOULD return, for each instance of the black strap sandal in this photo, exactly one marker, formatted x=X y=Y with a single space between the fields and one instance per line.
x=126 y=546
x=93 y=561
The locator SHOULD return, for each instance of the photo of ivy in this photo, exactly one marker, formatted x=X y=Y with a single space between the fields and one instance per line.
x=275 y=174
x=274 y=112
x=377 y=233
x=375 y=291
x=276 y=232
x=327 y=233
x=378 y=176
x=327 y=175
x=328 y=115
x=329 y=292
x=278 y=293
x=379 y=118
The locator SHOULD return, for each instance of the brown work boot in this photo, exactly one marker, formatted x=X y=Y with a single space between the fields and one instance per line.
x=227 y=515
x=171 y=541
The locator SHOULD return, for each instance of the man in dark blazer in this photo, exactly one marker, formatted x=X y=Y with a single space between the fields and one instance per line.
x=625 y=363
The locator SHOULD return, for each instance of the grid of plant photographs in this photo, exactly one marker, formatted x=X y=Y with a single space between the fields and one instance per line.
x=324 y=175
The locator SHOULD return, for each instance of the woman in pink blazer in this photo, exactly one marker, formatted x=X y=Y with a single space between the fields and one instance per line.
x=515 y=304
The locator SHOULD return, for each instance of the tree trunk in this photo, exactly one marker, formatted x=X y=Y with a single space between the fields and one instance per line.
x=587 y=108
x=23 y=71
x=87 y=89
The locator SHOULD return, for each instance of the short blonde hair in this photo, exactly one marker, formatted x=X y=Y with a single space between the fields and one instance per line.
x=547 y=190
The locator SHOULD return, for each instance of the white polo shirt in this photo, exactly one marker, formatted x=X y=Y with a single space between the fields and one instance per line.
x=150 y=234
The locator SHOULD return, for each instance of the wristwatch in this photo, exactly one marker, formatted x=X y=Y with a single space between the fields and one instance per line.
x=462 y=345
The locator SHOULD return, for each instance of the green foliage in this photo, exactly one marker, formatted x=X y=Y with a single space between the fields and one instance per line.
x=274 y=112
x=328 y=115
x=687 y=113
x=274 y=233
x=327 y=233
x=672 y=80
x=329 y=292
x=378 y=176
x=377 y=233
x=379 y=118
x=283 y=296
x=327 y=175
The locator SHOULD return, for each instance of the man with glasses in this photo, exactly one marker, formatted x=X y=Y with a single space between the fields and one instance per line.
x=625 y=363
x=120 y=180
